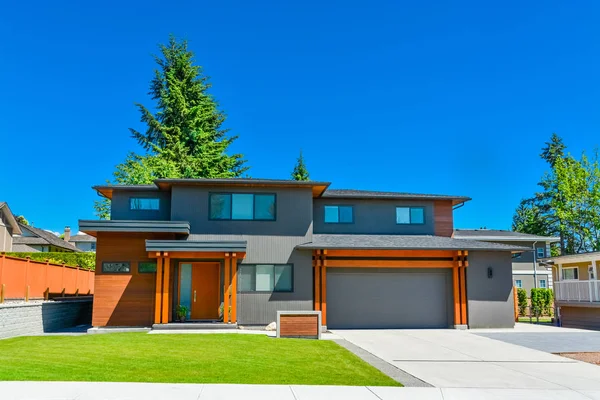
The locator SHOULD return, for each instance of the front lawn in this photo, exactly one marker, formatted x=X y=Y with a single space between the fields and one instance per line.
x=186 y=358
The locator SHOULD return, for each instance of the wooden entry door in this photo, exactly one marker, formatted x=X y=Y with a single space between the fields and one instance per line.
x=205 y=291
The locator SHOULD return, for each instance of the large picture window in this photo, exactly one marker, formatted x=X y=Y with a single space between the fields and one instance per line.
x=266 y=278
x=339 y=214
x=242 y=206
x=570 y=274
x=144 y=203
x=410 y=215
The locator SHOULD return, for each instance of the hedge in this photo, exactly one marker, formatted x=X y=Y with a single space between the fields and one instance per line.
x=541 y=301
x=522 y=296
x=83 y=259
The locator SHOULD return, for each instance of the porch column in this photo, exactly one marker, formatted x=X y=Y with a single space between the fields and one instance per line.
x=317 y=264
x=226 y=289
x=158 y=290
x=233 y=288
x=463 y=288
x=166 y=287
x=324 y=289
x=456 y=292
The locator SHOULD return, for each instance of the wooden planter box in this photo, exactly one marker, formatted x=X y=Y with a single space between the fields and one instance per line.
x=299 y=324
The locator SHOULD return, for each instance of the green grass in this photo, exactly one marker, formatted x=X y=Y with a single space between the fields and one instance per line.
x=186 y=358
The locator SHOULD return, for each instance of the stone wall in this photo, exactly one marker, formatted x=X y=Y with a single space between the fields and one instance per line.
x=24 y=319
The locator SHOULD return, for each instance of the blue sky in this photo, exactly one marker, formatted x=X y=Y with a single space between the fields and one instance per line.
x=407 y=96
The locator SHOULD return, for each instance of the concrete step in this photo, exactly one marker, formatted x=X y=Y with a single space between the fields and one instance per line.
x=194 y=326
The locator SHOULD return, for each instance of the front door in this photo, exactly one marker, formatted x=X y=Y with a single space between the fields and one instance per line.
x=205 y=291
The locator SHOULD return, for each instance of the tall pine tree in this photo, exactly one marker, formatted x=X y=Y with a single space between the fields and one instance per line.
x=300 y=173
x=184 y=137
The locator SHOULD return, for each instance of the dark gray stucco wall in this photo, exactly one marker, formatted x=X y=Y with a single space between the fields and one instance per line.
x=120 y=206
x=490 y=301
x=373 y=216
x=269 y=242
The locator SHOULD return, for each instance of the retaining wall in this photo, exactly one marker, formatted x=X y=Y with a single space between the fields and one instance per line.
x=25 y=319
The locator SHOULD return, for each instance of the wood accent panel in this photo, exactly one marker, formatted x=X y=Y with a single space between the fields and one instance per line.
x=443 y=218
x=324 y=295
x=166 y=292
x=392 y=253
x=197 y=255
x=125 y=299
x=299 y=325
x=234 y=268
x=390 y=263
x=580 y=317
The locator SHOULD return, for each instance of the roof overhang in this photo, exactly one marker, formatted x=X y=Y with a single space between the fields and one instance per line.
x=107 y=190
x=573 y=258
x=93 y=227
x=175 y=246
x=508 y=238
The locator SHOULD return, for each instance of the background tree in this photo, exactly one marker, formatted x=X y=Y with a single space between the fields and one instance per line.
x=184 y=137
x=300 y=173
x=22 y=220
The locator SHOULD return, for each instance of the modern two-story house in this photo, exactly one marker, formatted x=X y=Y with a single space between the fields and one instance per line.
x=239 y=250
x=528 y=272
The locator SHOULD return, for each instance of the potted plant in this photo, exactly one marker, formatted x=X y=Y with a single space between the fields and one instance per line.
x=182 y=312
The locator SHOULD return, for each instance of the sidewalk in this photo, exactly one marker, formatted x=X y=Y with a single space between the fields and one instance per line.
x=161 y=391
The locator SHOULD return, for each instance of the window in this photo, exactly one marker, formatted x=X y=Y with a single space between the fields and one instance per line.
x=570 y=274
x=142 y=203
x=339 y=214
x=116 y=267
x=266 y=278
x=518 y=283
x=93 y=246
x=242 y=206
x=410 y=215
x=540 y=252
x=542 y=284
x=146 y=267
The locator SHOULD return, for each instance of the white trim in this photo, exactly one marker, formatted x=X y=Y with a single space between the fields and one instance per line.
x=530 y=272
x=569 y=280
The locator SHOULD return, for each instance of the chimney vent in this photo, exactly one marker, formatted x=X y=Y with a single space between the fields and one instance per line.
x=67 y=234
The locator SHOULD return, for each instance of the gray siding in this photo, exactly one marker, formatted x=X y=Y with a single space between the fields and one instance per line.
x=5 y=238
x=490 y=301
x=269 y=242
x=373 y=216
x=525 y=261
x=119 y=209
x=527 y=281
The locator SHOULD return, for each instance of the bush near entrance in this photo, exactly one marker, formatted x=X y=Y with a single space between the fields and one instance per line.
x=85 y=260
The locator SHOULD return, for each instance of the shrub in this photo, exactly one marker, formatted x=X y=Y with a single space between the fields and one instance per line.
x=522 y=297
x=541 y=302
x=83 y=259
x=547 y=301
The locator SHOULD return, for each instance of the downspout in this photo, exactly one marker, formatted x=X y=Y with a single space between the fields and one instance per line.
x=458 y=206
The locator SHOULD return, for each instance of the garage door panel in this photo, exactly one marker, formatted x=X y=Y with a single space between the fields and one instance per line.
x=390 y=299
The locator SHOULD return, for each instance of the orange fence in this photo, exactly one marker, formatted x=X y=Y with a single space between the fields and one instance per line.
x=22 y=278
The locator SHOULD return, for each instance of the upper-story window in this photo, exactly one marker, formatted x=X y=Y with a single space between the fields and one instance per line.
x=144 y=203
x=339 y=214
x=540 y=252
x=410 y=215
x=242 y=206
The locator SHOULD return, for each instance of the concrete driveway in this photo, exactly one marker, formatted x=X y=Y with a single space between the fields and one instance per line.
x=464 y=359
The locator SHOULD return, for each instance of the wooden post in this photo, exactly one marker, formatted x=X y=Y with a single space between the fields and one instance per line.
x=27 y=293
x=47 y=294
x=166 y=287
x=226 y=289
x=158 y=289
x=317 y=281
x=2 y=291
x=324 y=290
x=516 y=303
x=234 y=288
x=463 y=295
x=456 y=296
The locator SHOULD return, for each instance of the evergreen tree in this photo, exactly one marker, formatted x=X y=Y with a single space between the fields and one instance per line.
x=554 y=150
x=184 y=137
x=22 y=220
x=300 y=173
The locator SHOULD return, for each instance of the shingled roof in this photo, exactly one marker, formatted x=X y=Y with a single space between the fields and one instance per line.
x=42 y=237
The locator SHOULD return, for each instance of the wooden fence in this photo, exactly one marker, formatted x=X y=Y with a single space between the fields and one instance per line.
x=22 y=278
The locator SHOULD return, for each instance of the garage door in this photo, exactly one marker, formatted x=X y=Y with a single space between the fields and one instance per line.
x=388 y=298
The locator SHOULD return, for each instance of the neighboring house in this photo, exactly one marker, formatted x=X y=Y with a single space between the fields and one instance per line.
x=81 y=240
x=38 y=240
x=8 y=227
x=577 y=289
x=364 y=259
x=525 y=266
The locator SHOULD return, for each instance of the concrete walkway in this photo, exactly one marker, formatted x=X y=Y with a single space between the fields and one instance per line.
x=463 y=359
x=158 y=391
